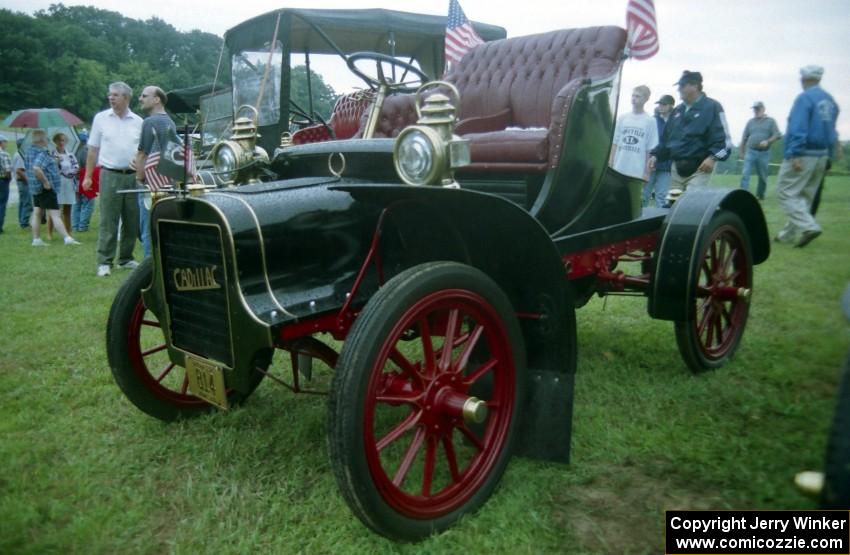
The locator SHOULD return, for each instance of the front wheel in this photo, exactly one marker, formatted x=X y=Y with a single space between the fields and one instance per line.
x=721 y=285
x=138 y=357
x=426 y=400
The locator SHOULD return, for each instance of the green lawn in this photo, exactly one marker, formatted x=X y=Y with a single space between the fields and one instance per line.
x=85 y=472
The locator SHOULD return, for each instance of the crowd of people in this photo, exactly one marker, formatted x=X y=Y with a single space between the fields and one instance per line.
x=57 y=188
x=675 y=149
x=679 y=147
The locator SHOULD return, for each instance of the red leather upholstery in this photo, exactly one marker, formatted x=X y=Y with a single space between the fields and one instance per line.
x=527 y=85
x=345 y=120
x=397 y=112
x=312 y=134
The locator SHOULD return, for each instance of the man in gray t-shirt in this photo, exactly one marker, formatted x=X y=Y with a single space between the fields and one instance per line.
x=760 y=132
x=156 y=129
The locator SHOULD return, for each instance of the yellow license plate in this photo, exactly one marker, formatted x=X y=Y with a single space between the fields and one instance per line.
x=206 y=380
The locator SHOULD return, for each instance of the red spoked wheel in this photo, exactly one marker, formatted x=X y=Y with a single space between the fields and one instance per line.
x=139 y=360
x=722 y=275
x=426 y=400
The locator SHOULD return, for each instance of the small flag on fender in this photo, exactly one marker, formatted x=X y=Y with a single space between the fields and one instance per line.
x=153 y=179
x=642 y=29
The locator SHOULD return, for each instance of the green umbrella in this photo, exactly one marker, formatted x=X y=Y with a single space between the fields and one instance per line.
x=41 y=118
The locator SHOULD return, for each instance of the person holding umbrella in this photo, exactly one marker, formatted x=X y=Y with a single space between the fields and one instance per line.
x=33 y=118
x=44 y=182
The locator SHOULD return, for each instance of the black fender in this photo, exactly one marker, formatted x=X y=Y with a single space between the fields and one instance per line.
x=681 y=234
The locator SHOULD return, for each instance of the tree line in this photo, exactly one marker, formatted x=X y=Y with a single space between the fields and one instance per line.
x=66 y=56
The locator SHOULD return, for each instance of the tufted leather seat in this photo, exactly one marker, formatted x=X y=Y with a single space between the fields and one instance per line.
x=516 y=94
x=345 y=120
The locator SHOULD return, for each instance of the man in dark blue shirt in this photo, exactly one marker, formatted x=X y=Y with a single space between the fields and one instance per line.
x=156 y=131
x=809 y=141
x=695 y=137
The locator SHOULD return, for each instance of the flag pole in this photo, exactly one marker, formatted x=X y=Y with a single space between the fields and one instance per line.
x=185 y=155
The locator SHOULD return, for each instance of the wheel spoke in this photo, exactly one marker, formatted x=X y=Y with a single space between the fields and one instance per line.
x=153 y=350
x=185 y=386
x=705 y=317
x=471 y=437
x=430 y=463
x=451 y=457
x=427 y=346
x=409 y=457
x=467 y=349
x=726 y=315
x=407 y=367
x=451 y=325
x=151 y=323
x=706 y=270
x=709 y=325
x=399 y=430
x=168 y=369
x=412 y=399
x=721 y=253
x=712 y=253
x=728 y=264
x=481 y=370
x=718 y=326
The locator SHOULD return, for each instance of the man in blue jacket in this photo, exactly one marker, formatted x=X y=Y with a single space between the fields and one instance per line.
x=695 y=137
x=809 y=140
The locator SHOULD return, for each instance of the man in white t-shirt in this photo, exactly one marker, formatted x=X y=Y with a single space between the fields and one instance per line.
x=113 y=142
x=635 y=135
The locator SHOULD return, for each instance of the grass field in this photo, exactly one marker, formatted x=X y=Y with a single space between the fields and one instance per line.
x=85 y=472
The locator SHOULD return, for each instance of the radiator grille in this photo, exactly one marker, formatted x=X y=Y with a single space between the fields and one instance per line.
x=190 y=253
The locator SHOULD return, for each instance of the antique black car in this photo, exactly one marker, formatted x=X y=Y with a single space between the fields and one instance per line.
x=442 y=247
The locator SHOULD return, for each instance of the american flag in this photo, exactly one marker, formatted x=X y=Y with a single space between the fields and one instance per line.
x=460 y=36
x=643 y=31
x=153 y=179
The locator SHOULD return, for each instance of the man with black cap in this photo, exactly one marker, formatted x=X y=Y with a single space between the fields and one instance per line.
x=695 y=137
x=759 y=133
x=809 y=140
x=659 y=179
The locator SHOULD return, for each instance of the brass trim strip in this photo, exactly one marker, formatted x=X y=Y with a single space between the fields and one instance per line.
x=242 y=299
x=262 y=248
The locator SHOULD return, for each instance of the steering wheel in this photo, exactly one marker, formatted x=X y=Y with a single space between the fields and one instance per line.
x=382 y=80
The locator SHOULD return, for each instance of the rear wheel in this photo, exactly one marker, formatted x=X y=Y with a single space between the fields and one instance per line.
x=138 y=357
x=412 y=448
x=722 y=281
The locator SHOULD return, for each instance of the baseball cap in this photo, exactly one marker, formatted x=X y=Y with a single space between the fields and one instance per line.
x=811 y=72
x=758 y=104
x=3 y=138
x=666 y=99
x=689 y=78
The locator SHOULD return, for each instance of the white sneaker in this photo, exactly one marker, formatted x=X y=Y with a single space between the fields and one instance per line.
x=103 y=270
x=71 y=241
x=37 y=242
x=129 y=265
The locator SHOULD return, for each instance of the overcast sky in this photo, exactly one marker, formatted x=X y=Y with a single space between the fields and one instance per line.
x=746 y=50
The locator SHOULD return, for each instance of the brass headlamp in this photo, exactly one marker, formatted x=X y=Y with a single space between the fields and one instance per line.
x=236 y=159
x=428 y=152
